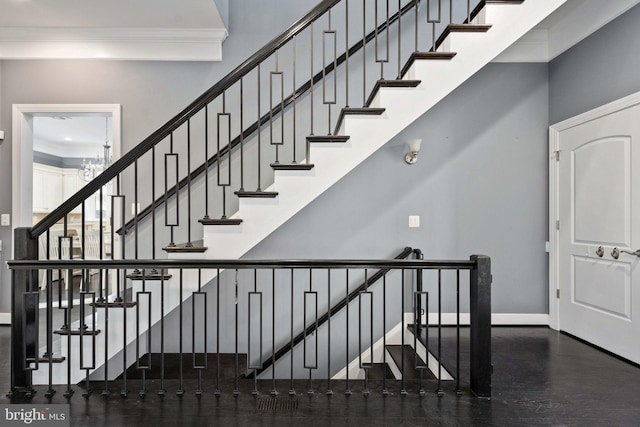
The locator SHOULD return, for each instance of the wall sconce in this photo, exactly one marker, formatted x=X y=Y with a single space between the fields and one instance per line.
x=414 y=149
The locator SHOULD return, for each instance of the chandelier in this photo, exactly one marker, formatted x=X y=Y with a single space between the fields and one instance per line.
x=92 y=168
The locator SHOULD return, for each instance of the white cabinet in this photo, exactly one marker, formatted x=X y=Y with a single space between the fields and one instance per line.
x=71 y=183
x=47 y=188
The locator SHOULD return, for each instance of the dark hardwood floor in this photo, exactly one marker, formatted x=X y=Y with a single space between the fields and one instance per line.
x=541 y=377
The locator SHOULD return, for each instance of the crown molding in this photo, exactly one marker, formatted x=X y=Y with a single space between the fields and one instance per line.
x=146 y=44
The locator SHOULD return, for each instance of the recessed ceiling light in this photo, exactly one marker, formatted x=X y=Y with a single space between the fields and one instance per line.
x=68 y=139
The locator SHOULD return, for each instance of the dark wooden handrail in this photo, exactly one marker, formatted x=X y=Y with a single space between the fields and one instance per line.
x=165 y=130
x=301 y=90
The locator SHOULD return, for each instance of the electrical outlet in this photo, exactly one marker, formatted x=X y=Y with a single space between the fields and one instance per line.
x=414 y=221
x=5 y=219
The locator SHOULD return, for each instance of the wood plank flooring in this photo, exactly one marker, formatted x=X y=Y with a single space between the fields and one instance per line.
x=541 y=377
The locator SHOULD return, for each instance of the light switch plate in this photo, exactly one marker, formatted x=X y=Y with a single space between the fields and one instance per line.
x=1 y=134
x=414 y=221
x=5 y=219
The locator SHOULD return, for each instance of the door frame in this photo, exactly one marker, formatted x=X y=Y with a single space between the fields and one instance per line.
x=22 y=150
x=554 y=192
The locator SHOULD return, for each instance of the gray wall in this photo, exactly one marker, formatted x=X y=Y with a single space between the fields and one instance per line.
x=150 y=92
x=480 y=186
x=602 y=68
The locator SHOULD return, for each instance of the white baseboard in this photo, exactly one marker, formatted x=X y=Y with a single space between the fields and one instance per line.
x=497 y=319
x=5 y=318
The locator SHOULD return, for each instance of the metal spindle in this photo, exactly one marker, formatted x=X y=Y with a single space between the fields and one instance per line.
x=439 y=390
x=189 y=243
x=385 y=392
x=161 y=392
x=348 y=389
x=364 y=53
x=195 y=365
x=180 y=390
x=153 y=203
x=399 y=40
x=458 y=390
x=206 y=161
x=259 y=130
x=346 y=59
x=249 y=312
x=433 y=23
x=311 y=81
x=236 y=391
x=416 y=49
x=292 y=391
x=295 y=97
x=329 y=391
x=226 y=117
x=333 y=100
x=403 y=390
x=241 y=135
x=217 y=391
x=274 y=391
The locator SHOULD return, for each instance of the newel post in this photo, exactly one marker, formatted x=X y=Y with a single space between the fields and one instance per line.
x=24 y=312
x=480 y=307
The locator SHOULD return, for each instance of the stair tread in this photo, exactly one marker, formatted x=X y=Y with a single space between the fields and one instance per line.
x=220 y=221
x=149 y=275
x=461 y=28
x=292 y=166
x=192 y=247
x=256 y=194
x=429 y=338
x=428 y=56
x=364 y=111
x=390 y=83
x=172 y=366
x=410 y=371
x=379 y=371
x=328 y=138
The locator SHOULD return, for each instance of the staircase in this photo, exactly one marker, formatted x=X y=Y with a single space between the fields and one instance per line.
x=389 y=106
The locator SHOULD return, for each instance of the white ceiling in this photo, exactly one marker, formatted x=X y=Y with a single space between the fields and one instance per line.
x=71 y=135
x=112 y=29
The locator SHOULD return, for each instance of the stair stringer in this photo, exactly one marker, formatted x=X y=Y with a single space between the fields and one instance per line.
x=296 y=189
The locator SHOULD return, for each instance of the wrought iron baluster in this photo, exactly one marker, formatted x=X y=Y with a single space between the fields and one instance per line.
x=199 y=367
x=180 y=390
x=433 y=22
x=226 y=117
x=189 y=243
x=329 y=390
x=348 y=389
x=277 y=142
x=458 y=390
x=364 y=53
x=292 y=391
x=206 y=161
x=329 y=101
x=439 y=390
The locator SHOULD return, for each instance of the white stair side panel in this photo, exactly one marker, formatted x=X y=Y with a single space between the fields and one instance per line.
x=367 y=134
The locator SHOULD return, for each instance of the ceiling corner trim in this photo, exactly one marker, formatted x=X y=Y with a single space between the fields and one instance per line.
x=145 y=44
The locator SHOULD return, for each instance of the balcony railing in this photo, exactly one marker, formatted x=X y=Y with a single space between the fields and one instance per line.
x=230 y=327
